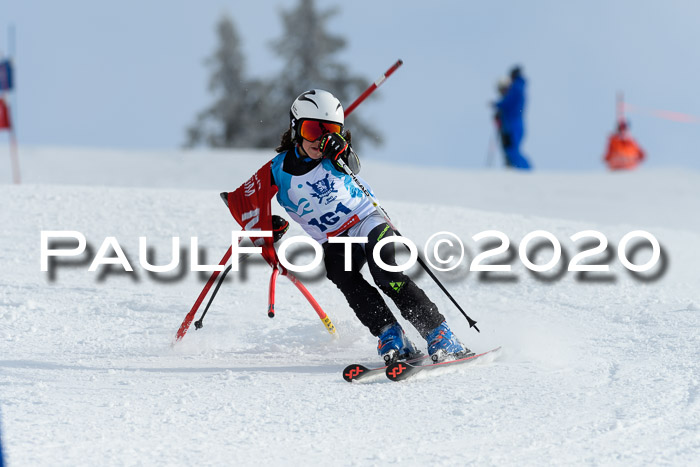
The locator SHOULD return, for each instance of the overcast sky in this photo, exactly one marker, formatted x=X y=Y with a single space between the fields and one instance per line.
x=130 y=74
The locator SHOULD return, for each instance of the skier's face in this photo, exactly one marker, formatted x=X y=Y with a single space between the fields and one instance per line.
x=312 y=131
x=311 y=148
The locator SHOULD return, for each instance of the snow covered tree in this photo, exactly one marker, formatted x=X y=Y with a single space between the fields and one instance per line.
x=227 y=123
x=309 y=53
x=254 y=113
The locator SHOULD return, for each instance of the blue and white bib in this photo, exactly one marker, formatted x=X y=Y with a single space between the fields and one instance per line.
x=324 y=201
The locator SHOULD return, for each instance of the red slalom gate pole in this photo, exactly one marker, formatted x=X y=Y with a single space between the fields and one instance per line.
x=16 y=178
x=620 y=107
x=374 y=86
x=271 y=299
x=325 y=319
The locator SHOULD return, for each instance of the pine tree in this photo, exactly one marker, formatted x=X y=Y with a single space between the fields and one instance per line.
x=253 y=113
x=226 y=123
x=309 y=51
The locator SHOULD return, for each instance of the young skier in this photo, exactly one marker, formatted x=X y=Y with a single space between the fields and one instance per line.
x=323 y=199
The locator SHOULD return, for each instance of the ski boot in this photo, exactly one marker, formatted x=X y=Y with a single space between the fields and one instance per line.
x=442 y=344
x=394 y=345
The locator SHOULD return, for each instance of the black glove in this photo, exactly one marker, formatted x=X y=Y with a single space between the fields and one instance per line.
x=280 y=225
x=334 y=147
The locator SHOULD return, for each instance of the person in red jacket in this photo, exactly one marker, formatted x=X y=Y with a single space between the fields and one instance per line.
x=623 y=151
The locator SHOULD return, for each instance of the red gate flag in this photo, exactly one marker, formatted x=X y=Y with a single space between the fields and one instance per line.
x=250 y=206
x=4 y=115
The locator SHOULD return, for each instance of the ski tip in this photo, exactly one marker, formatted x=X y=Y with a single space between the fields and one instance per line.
x=353 y=372
x=400 y=370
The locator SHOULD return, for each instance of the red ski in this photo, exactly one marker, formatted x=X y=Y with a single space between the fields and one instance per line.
x=357 y=371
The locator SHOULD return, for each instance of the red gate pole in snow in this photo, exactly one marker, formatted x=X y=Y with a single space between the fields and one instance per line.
x=620 y=108
x=6 y=124
x=325 y=319
x=16 y=178
x=321 y=314
x=7 y=84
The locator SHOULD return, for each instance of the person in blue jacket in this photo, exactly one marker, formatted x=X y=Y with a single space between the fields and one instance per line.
x=510 y=109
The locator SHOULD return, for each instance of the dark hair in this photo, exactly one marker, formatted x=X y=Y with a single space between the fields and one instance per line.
x=286 y=142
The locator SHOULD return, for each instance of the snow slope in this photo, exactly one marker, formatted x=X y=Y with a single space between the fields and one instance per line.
x=592 y=372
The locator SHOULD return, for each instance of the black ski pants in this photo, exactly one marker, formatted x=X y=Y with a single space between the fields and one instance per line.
x=365 y=300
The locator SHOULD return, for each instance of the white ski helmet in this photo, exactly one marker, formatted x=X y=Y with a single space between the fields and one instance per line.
x=315 y=104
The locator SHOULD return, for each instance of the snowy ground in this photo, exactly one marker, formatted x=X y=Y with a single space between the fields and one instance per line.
x=601 y=370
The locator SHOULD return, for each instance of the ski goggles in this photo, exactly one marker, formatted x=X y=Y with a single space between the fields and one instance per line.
x=312 y=130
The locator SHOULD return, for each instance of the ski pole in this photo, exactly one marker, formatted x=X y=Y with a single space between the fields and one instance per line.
x=380 y=210
x=198 y=324
x=190 y=315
